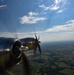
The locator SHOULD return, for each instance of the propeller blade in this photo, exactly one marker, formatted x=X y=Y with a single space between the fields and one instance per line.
x=35 y=36
x=38 y=37
x=26 y=65
x=39 y=47
x=37 y=44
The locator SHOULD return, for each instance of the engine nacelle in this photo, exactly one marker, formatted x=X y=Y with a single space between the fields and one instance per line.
x=9 y=52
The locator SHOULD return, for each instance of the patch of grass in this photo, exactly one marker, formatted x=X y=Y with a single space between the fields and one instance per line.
x=67 y=71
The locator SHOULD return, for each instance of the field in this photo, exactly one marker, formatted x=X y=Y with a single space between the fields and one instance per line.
x=56 y=59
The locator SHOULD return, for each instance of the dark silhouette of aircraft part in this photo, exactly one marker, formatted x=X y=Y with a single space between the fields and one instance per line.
x=37 y=45
x=13 y=56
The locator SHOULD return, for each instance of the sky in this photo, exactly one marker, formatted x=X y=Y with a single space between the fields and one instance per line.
x=51 y=20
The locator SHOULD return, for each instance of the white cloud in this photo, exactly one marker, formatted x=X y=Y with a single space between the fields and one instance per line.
x=31 y=18
x=57 y=1
x=8 y=34
x=70 y=21
x=57 y=5
x=59 y=11
x=32 y=13
x=3 y=6
x=52 y=7
x=69 y=26
x=44 y=7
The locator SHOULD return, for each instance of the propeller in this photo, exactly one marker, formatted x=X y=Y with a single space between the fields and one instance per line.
x=15 y=57
x=37 y=45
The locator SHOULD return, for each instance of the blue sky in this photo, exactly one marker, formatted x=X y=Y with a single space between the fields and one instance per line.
x=52 y=20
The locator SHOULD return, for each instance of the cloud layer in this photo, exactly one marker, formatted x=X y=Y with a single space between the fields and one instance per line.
x=31 y=18
x=69 y=26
